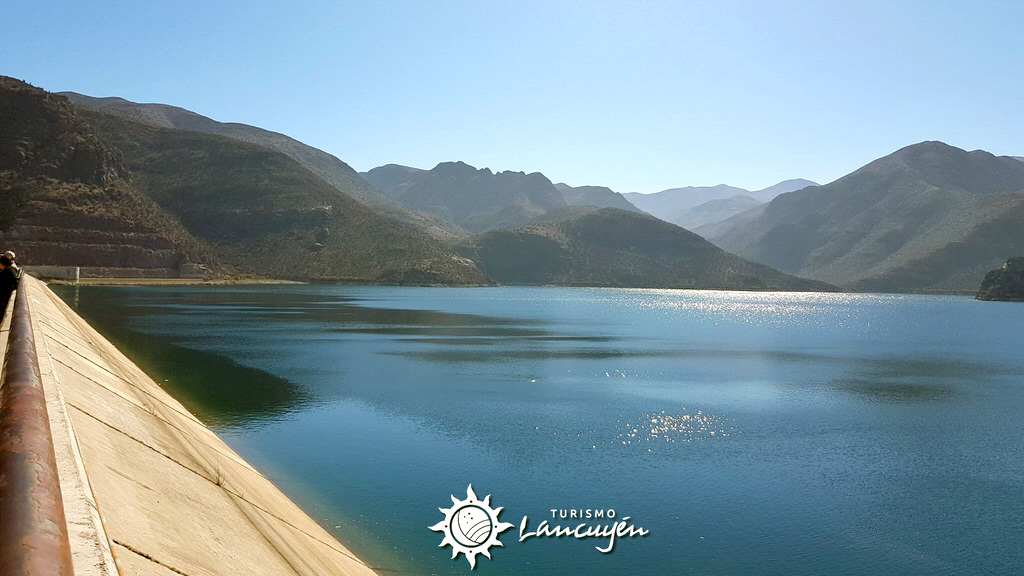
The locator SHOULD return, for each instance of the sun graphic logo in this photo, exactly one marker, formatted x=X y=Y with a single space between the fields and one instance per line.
x=470 y=526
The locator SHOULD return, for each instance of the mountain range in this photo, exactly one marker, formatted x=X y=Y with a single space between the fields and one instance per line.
x=150 y=189
x=106 y=178
x=116 y=196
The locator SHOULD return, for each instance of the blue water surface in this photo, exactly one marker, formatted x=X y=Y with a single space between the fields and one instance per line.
x=747 y=433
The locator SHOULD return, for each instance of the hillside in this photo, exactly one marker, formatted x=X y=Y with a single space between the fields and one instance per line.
x=266 y=214
x=326 y=166
x=611 y=247
x=927 y=217
x=475 y=200
x=69 y=199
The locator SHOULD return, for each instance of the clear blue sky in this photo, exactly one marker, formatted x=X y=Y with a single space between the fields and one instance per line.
x=638 y=96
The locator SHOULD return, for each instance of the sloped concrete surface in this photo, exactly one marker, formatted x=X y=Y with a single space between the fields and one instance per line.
x=150 y=490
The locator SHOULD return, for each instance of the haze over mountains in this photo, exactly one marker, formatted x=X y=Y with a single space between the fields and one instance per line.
x=695 y=206
x=149 y=189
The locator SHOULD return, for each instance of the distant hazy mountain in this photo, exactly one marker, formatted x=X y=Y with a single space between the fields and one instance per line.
x=695 y=206
x=714 y=211
x=328 y=167
x=667 y=204
x=476 y=200
x=768 y=194
x=69 y=200
x=611 y=247
x=595 y=196
x=927 y=217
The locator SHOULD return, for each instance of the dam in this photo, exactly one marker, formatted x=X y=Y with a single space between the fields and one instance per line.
x=140 y=486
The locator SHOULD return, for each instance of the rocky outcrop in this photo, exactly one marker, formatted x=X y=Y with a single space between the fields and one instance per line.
x=1006 y=283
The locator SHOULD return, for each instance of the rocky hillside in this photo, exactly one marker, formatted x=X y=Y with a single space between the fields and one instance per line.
x=475 y=200
x=266 y=214
x=611 y=247
x=326 y=166
x=927 y=217
x=69 y=199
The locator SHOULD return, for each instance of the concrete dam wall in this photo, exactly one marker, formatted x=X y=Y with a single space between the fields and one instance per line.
x=148 y=489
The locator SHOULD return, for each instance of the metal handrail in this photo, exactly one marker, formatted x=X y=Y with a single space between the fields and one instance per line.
x=33 y=532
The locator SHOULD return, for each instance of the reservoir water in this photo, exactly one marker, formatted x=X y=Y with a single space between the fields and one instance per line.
x=746 y=433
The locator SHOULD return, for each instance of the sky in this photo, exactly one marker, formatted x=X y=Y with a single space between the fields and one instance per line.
x=639 y=96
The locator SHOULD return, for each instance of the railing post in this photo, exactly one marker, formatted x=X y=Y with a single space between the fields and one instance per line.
x=33 y=532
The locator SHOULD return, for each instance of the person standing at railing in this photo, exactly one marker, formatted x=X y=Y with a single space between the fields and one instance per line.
x=10 y=274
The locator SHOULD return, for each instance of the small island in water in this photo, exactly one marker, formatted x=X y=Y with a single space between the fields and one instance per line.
x=1006 y=283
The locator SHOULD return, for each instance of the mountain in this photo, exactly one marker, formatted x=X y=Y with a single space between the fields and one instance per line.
x=69 y=199
x=926 y=217
x=476 y=200
x=329 y=168
x=595 y=196
x=266 y=214
x=611 y=247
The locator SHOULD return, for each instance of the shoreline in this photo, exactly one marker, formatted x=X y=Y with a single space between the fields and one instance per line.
x=136 y=281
